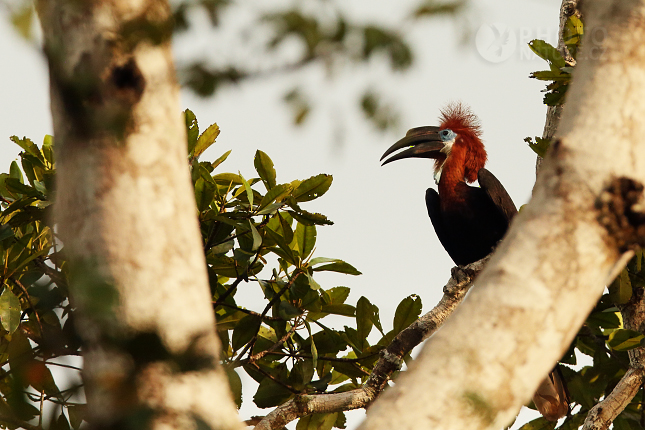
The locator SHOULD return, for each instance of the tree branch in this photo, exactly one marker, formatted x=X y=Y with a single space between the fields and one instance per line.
x=605 y=412
x=553 y=114
x=391 y=358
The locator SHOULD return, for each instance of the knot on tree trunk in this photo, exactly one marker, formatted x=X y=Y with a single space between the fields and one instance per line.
x=621 y=211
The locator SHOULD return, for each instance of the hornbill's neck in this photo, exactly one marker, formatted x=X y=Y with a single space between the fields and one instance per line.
x=463 y=159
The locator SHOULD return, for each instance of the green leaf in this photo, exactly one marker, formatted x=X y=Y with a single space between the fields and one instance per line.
x=48 y=148
x=339 y=266
x=257 y=238
x=547 y=52
x=550 y=75
x=278 y=192
x=59 y=424
x=244 y=331
x=306 y=239
x=339 y=309
x=624 y=340
x=204 y=194
x=312 y=188
x=206 y=139
x=407 y=312
x=270 y=394
x=264 y=167
x=247 y=188
x=376 y=319
x=620 y=290
x=317 y=422
x=17 y=186
x=9 y=310
x=221 y=159
x=285 y=223
x=338 y=295
x=287 y=311
x=5 y=231
x=282 y=245
x=573 y=31
x=606 y=320
x=227 y=179
x=28 y=168
x=29 y=146
x=539 y=424
x=20 y=352
x=192 y=130
x=364 y=314
x=314 y=351
x=76 y=414
x=235 y=383
x=269 y=209
x=312 y=282
x=226 y=266
x=540 y=146
x=309 y=218
x=624 y=422
x=341 y=421
x=15 y=173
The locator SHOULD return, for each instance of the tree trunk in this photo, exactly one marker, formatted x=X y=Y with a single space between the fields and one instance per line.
x=125 y=212
x=561 y=251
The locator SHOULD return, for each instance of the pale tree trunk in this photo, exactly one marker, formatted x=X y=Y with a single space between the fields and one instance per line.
x=126 y=214
x=561 y=251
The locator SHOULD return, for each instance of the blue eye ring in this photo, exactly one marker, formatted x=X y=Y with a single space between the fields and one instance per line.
x=447 y=135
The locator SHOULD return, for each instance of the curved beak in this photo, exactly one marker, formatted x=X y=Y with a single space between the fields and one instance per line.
x=421 y=142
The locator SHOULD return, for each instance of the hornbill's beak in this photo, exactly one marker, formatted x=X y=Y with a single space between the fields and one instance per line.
x=422 y=142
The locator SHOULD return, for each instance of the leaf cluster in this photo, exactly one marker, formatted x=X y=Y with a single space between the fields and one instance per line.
x=559 y=73
x=286 y=346
x=604 y=341
x=36 y=323
x=257 y=235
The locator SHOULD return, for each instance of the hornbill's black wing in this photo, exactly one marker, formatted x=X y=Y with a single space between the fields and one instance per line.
x=497 y=193
x=432 y=203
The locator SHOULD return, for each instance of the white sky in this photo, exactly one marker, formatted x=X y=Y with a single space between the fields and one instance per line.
x=382 y=227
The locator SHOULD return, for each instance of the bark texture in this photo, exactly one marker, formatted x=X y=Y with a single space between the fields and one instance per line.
x=560 y=252
x=126 y=214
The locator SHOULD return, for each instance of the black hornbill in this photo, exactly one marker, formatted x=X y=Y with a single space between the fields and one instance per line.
x=469 y=221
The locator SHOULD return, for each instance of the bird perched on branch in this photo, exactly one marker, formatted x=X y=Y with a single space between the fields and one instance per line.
x=469 y=221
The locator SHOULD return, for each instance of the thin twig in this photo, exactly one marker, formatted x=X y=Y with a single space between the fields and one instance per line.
x=249 y=346
x=323 y=358
x=259 y=355
x=249 y=312
x=274 y=379
x=237 y=281
x=31 y=305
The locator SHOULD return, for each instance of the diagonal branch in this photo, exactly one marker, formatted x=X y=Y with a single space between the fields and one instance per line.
x=389 y=362
x=605 y=412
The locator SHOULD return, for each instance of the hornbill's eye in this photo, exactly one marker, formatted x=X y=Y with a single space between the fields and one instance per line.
x=447 y=135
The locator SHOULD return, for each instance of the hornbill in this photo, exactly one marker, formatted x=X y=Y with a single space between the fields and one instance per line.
x=469 y=221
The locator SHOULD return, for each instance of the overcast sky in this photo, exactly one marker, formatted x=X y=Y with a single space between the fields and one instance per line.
x=381 y=224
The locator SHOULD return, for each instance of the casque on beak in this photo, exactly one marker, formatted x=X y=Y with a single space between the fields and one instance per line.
x=422 y=142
